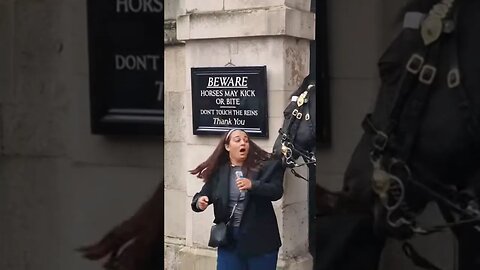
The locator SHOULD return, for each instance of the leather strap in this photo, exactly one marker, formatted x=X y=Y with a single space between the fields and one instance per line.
x=411 y=118
x=416 y=258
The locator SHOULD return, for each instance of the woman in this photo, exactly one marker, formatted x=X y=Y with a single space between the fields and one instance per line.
x=253 y=230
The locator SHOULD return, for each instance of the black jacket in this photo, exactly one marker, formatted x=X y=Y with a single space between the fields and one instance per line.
x=258 y=228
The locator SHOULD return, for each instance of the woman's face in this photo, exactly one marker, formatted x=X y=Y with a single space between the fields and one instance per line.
x=238 y=147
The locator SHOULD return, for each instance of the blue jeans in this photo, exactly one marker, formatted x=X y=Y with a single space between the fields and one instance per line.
x=228 y=259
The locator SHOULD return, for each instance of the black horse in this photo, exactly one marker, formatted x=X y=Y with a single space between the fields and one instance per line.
x=421 y=144
x=296 y=137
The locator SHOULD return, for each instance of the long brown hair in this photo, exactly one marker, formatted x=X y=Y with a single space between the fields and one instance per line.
x=219 y=157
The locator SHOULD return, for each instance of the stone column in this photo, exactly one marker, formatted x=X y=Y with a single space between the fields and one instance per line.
x=275 y=33
x=175 y=132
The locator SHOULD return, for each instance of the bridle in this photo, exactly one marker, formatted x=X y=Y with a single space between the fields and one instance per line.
x=288 y=148
x=391 y=172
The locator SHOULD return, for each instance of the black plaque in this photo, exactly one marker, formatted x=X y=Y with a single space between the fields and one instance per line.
x=125 y=39
x=230 y=97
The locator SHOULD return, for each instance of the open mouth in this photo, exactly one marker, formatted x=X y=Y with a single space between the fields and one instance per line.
x=242 y=150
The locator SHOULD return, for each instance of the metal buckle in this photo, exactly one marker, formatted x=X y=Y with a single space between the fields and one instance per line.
x=427 y=74
x=396 y=189
x=399 y=222
x=286 y=151
x=415 y=63
x=380 y=140
x=297 y=114
x=453 y=78
x=400 y=165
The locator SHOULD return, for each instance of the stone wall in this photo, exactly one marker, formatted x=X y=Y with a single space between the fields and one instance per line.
x=60 y=186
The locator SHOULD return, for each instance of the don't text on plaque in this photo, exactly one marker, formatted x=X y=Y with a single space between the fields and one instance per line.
x=126 y=64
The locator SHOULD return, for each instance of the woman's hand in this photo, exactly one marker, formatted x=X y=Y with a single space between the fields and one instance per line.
x=202 y=203
x=244 y=184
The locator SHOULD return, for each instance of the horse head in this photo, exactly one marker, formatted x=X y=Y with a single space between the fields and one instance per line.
x=421 y=141
x=297 y=135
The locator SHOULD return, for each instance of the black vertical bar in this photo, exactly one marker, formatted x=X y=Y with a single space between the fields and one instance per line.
x=321 y=74
x=312 y=209
x=311 y=169
x=313 y=44
x=318 y=71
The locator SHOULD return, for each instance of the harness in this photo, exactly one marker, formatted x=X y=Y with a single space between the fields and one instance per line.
x=393 y=144
x=288 y=148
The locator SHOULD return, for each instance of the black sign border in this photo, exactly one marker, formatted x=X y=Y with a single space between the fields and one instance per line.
x=260 y=70
x=104 y=119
